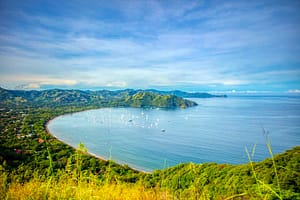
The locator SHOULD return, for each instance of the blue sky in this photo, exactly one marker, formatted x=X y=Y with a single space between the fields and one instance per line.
x=190 y=45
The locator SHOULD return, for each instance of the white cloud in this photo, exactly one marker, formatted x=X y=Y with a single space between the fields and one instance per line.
x=120 y=84
x=35 y=81
x=234 y=82
x=297 y=91
x=29 y=86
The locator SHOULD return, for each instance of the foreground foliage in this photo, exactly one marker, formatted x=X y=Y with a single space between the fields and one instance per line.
x=185 y=181
x=220 y=180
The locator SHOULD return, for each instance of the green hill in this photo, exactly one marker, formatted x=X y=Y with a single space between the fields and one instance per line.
x=150 y=99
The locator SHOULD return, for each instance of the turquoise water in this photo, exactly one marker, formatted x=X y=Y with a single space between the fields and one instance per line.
x=218 y=130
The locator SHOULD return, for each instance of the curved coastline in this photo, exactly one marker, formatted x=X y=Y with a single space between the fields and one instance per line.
x=203 y=120
x=74 y=147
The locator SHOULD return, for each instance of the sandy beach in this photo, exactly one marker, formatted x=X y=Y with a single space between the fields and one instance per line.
x=75 y=147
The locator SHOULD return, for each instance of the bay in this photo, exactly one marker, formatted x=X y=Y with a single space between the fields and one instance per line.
x=218 y=130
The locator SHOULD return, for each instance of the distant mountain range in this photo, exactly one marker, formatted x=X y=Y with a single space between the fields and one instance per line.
x=119 y=98
x=183 y=94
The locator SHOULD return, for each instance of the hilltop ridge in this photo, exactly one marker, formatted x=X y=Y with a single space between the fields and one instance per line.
x=184 y=94
x=119 y=98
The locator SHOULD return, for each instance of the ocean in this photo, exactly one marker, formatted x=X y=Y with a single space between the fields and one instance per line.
x=217 y=130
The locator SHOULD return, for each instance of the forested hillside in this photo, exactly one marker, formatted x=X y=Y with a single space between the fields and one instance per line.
x=120 y=98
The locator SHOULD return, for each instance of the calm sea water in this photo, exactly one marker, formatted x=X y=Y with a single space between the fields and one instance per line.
x=218 y=130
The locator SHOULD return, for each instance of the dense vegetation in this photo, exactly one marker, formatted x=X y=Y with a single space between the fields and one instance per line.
x=120 y=98
x=34 y=165
x=149 y=99
x=255 y=180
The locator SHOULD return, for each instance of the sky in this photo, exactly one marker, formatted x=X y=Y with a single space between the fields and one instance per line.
x=196 y=45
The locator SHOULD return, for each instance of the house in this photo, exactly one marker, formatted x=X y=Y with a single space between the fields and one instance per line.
x=18 y=151
x=40 y=140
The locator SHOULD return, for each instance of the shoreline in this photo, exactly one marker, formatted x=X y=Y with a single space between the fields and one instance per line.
x=89 y=153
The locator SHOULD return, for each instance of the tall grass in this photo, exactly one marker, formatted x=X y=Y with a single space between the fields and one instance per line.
x=75 y=183
x=264 y=189
x=91 y=189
